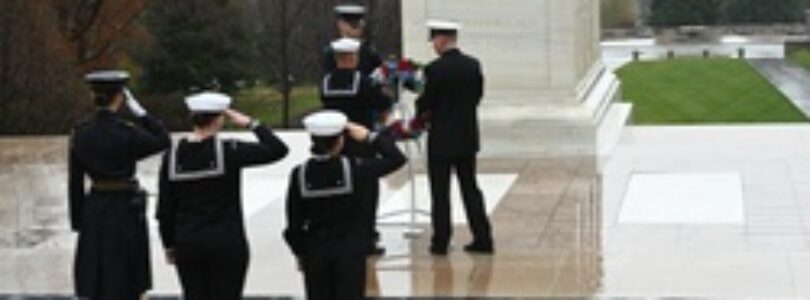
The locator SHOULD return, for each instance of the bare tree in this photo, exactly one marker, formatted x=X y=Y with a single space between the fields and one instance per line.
x=93 y=28
x=39 y=89
x=45 y=46
x=279 y=20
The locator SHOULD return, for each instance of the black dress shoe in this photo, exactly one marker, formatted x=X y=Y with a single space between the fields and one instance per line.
x=438 y=251
x=480 y=248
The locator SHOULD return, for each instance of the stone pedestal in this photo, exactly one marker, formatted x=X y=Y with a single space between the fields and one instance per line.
x=547 y=91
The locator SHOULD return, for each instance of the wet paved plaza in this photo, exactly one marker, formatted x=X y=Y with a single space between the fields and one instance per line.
x=564 y=226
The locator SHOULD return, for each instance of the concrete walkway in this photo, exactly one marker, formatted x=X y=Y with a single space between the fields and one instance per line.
x=790 y=78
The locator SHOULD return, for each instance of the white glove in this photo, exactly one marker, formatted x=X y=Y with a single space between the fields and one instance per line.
x=133 y=104
x=378 y=76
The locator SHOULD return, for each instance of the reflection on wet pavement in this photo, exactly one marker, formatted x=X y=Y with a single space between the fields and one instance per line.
x=543 y=238
x=557 y=228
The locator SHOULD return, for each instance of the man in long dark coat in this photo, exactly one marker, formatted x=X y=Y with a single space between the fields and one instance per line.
x=112 y=256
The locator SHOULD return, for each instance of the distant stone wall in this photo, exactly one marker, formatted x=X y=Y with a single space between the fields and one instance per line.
x=682 y=34
x=776 y=29
x=672 y=33
x=798 y=44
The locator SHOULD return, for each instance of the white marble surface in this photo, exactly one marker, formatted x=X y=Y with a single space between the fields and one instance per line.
x=544 y=46
x=767 y=256
x=672 y=198
x=547 y=90
x=763 y=257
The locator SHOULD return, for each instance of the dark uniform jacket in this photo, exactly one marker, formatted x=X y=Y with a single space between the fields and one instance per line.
x=113 y=239
x=326 y=208
x=369 y=59
x=354 y=94
x=453 y=90
x=200 y=207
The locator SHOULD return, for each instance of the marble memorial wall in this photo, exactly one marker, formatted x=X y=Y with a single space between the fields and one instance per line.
x=530 y=47
x=547 y=90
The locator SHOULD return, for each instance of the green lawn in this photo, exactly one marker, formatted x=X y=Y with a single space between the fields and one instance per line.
x=703 y=91
x=802 y=57
x=265 y=103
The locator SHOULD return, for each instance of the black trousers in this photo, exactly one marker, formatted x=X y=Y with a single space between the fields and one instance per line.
x=439 y=171
x=212 y=275
x=338 y=277
x=372 y=194
x=374 y=199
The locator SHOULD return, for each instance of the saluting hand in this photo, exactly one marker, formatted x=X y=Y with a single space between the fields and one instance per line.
x=357 y=132
x=238 y=118
x=133 y=104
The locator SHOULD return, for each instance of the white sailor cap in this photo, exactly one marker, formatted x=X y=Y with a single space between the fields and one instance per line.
x=326 y=123
x=443 y=27
x=107 y=77
x=350 y=10
x=346 y=45
x=208 y=102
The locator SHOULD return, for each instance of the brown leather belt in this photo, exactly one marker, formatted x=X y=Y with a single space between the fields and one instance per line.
x=115 y=185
